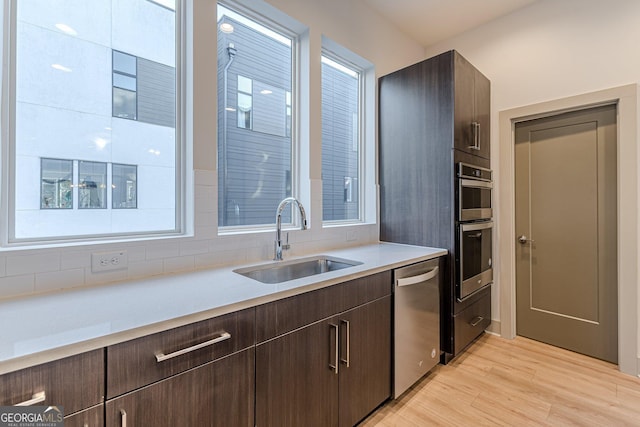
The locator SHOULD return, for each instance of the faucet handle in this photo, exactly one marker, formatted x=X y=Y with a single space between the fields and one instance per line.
x=286 y=246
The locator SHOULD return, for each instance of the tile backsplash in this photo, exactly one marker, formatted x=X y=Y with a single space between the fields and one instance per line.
x=25 y=272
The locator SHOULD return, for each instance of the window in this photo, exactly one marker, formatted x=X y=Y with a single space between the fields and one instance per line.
x=255 y=78
x=125 y=102
x=56 y=184
x=95 y=83
x=92 y=186
x=124 y=186
x=143 y=90
x=340 y=140
x=245 y=102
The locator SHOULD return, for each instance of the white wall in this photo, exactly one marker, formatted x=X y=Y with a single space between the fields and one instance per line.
x=30 y=271
x=550 y=50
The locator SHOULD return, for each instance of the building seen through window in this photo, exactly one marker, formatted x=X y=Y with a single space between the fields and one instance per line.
x=340 y=141
x=254 y=125
x=95 y=110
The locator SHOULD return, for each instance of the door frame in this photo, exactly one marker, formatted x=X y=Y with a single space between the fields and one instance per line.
x=626 y=98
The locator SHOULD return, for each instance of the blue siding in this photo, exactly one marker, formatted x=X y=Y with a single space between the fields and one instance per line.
x=339 y=159
x=256 y=174
x=258 y=161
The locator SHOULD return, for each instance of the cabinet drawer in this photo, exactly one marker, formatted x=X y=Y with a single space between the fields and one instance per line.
x=75 y=383
x=217 y=394
x=142 y=361
x=285 y=315
x=471 y=322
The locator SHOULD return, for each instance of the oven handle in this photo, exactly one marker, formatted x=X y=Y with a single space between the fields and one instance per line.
x=477 y=226
x=407 y=281
x=475 y=183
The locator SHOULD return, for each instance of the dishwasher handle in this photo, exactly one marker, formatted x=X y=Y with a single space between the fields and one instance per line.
x=407 y=281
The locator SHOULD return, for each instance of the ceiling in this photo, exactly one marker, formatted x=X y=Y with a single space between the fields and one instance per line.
x=431 y=21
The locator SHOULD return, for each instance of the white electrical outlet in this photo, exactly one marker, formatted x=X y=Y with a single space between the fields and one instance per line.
x=109 y=261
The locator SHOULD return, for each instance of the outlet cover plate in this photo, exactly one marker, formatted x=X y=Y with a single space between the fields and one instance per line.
x=109 y=261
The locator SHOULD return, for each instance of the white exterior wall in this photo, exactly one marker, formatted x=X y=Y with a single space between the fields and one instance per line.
x=68 y=114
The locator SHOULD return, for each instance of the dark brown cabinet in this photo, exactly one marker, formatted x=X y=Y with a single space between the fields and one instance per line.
x=322 y=358
x=199 y=374
x=92 y=417
x=334 y=370
x=432 y=115
x=471 y=108
x=75 y=383
x=217 y=394
x=365 y=360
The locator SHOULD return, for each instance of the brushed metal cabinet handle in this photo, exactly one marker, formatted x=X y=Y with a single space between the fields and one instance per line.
x=123 y=418
x=161 y=357
x=476 y=320
x=334 y=366
x=346 y=360
x=35 y=398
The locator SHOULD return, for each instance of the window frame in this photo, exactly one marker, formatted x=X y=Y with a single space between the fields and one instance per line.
x=183 y=226
x=339 y=59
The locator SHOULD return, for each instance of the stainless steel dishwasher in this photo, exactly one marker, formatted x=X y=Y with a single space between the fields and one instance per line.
x=416 y=322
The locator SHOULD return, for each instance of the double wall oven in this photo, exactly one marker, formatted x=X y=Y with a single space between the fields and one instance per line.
x=474 y=227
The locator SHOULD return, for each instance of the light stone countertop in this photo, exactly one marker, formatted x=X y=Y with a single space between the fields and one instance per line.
x=43 y=328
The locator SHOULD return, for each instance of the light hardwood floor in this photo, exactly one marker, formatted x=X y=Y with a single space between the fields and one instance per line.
x=520 y=382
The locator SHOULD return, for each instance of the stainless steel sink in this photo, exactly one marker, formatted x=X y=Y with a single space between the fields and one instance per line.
x=295 y=269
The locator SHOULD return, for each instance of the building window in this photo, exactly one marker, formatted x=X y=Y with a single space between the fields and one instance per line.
x=143 y=90
x=341 y=83
x=245 y=102
x=125 y=102
x=92 y=185
x=124 y=186
x=255 y=64
x=56 y=179
x=96 y=83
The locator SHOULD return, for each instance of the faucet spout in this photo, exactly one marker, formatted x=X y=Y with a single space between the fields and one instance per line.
x=278 y=246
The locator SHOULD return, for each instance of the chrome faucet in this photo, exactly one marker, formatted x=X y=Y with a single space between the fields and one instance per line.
x=278 y=246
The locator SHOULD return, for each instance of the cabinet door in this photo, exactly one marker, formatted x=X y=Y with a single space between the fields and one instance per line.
x=482 y=88
x=219 y=393
x=295 y=385
x=365 y=354
x=75 y=383
x=93 y=417
x=472 y=109
x=464 y=105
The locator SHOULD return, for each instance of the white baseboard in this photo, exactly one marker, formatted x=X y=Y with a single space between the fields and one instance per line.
x=495 y=328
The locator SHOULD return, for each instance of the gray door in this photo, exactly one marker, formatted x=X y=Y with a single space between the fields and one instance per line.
x=566 y=244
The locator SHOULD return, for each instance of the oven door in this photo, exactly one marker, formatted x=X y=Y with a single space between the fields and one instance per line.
x=474 y=199
x=475 y=263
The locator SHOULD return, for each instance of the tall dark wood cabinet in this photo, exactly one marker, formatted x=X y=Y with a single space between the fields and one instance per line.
x=432 y=115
